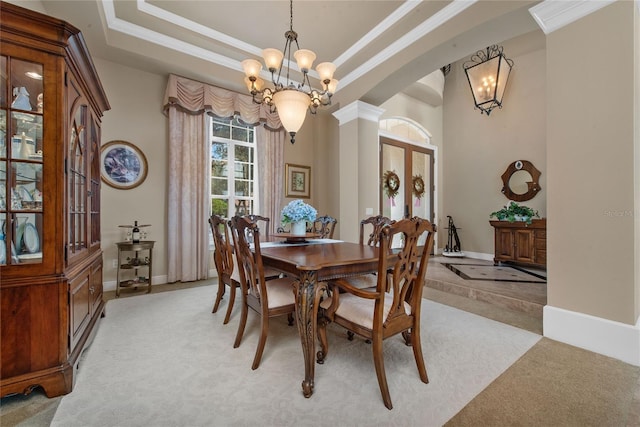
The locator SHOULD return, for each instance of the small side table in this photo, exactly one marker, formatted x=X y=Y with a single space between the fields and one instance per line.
x=133 y=264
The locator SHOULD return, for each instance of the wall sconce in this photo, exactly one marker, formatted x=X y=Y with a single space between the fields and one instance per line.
x=488 y=72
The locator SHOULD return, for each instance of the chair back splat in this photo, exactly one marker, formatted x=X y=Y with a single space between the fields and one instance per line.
x=224 y=262
x=263 y=223
x=391 y=307
x=324 y=225
x=375 y=223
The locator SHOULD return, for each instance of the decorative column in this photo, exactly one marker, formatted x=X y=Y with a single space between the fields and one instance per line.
x=358 y=166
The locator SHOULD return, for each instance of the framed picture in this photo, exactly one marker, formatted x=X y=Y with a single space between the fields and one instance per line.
x=297 y=181
x=122 y=165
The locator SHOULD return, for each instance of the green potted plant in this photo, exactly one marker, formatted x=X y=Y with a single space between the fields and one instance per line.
x=515 y=212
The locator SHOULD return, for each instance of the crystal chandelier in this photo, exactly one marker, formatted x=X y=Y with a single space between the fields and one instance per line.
x=488 y=73
x=289 y=98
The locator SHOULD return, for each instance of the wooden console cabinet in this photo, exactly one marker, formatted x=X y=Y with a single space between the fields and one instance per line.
x=520 y=243
x=51 y=106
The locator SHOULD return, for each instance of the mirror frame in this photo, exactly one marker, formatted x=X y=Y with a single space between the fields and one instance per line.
x=533 y=185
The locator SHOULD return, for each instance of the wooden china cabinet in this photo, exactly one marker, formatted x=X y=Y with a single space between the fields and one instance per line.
x=51 y=105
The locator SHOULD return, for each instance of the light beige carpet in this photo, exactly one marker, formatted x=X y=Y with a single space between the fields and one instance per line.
x=165 y=360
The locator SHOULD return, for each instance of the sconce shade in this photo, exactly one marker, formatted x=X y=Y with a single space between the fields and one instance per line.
x=325 y=71
x=304 y=58
x=272 y=58
x=488 y=74
x=251 y=67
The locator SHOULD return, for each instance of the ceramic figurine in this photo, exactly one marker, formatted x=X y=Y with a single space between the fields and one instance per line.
x=21 y=101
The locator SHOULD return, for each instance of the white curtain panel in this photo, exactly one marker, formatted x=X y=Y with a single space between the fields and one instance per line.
x=188 y=199
x=270 y=148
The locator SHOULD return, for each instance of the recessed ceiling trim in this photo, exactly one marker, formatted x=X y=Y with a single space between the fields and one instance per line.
x=553 y=15
x=190 y=25
x=116 y=24
x=430 y=24
x=119 y=25
x=378 y=30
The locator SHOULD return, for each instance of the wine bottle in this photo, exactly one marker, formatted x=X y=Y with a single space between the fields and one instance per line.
x=135 y=234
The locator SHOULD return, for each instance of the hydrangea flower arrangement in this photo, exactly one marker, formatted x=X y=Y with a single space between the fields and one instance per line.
x=297 y=210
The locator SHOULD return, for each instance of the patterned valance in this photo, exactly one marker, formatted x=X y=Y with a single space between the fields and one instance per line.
x=196 y=98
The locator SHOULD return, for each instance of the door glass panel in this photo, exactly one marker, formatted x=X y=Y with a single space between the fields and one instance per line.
x=3 y=82
x=421 y=183
x=421 y=187
x=393 y=163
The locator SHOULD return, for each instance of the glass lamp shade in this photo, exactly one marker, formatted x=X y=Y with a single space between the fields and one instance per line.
x=304 y=58
x=251 y=67
x=325 y=71
x=292 y=108
x=488 y=81
x=333 y=85
x=272 y=58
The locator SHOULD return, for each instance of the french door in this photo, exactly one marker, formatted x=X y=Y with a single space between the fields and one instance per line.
x=407 y=186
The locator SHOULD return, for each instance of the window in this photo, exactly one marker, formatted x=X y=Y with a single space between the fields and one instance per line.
x=233 y=167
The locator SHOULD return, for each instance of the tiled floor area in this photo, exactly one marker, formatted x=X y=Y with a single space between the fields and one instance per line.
x=519 y=303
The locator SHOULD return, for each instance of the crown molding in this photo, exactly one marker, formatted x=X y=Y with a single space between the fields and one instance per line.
x=554 y=14
x=358 y=110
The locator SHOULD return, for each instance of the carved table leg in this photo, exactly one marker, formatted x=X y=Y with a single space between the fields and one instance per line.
x=307 y=297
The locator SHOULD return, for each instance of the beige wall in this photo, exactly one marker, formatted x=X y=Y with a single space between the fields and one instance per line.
x=136 y=117
x=590 y=151
x=478 y=148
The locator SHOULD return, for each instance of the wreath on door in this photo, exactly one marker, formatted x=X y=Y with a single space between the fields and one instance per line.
x=391 y=184
x=418 y=186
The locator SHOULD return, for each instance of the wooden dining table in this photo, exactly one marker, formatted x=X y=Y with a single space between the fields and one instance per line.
x=314 y=263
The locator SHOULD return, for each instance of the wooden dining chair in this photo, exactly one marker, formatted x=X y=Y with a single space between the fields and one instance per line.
x=393 y=307
x=324 y=225
x=370 y=230
x=224 y=261
x=264 y=223
x=268 y=298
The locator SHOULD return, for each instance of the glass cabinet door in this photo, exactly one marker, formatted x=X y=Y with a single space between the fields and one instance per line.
x=21 y=161
x=77 y=183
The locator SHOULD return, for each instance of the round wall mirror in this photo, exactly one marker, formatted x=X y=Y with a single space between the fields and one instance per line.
x=520 y=181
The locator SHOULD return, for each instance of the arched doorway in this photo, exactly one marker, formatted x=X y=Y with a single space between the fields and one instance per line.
x=407 y=170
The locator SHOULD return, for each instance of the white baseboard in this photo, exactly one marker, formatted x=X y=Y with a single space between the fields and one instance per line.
x=614 y=339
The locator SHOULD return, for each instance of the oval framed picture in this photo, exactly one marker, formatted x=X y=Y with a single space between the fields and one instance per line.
x=122 y=165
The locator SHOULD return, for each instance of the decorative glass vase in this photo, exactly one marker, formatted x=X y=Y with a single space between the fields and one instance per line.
x=299 y=228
